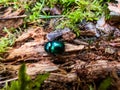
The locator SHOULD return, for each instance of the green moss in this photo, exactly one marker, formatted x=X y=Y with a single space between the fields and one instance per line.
x=105 y=84
x=6 y=42
x=75 y=10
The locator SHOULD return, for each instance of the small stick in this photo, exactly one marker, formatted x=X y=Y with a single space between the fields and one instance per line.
x=13 y=17
x=9 y=80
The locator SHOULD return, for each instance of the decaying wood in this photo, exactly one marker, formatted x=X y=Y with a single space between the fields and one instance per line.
x=96 y=69
x=115 y=42
x=35 y=50
x=69 y=36
x=83 y=62
x=30 y=47
x=114 y=11
x=35 y=47
x=85 y=71
x=80 y=42
x=87 y=33
x=71 y=47
x=70 y=77
x=41 y=67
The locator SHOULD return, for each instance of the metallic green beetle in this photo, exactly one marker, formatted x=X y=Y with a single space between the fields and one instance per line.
x=54 y=47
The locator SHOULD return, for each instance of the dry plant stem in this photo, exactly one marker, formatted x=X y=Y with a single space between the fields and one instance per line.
x=9 y=80
x=13 y=17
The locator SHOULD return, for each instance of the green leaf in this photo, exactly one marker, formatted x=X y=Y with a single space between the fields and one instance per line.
x=91 y=87
x=14 y=86
x=24 y=79
x=39 y=80
x=105 y=84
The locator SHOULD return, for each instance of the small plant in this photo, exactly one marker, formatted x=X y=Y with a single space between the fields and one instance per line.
x=6 y=42
x=77 y=10
x=6 y=1
x=104 y=85
x=24 y=81
x=35 y=11
x=74 y=10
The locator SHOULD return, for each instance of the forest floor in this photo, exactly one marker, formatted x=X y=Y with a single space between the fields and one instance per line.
x=90 y=60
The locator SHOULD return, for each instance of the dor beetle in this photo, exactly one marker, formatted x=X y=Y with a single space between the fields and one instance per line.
x=54 y=47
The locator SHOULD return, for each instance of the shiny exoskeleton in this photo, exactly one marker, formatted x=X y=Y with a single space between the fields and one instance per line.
x=54 y=47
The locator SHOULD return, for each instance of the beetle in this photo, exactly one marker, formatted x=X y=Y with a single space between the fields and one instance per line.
x=54 y=47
